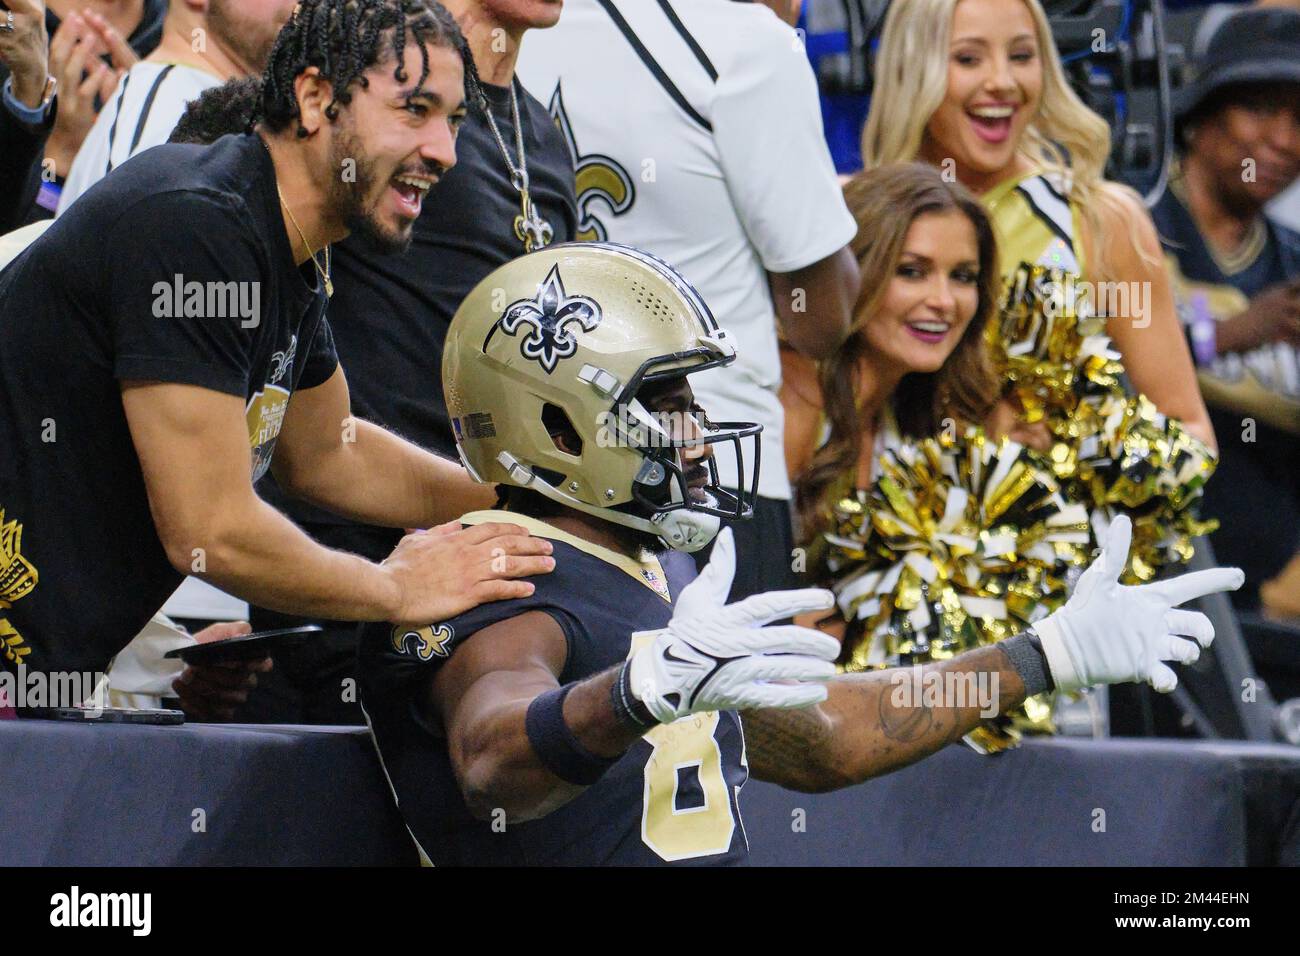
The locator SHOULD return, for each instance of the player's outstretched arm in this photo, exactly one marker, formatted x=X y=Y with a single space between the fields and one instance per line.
x=876 y=722
x=1107 y=633
x=521 y=743
x=483 y=695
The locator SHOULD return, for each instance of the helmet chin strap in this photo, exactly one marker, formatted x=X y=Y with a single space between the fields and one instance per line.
x=693 y=529
x=680 y=529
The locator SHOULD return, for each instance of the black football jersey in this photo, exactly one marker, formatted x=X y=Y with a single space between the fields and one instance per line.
x=672 y=798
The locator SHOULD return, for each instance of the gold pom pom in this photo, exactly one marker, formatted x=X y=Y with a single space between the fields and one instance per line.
x=961 y=542
x=1111 y=451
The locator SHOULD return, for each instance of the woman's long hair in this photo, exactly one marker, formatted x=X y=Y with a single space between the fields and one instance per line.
x=911 y=80
x=885 y=201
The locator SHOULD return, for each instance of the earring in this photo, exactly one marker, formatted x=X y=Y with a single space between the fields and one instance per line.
x=302 y=132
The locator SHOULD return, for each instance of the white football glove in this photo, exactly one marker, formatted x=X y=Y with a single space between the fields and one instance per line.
x=1108 y=633
x=715 y=656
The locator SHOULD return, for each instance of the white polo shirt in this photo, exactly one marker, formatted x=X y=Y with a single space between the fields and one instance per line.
x=142 y=112
x=696 y=135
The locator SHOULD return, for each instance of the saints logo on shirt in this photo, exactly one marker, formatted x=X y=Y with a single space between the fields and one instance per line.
x=264 y=415
x=596 y=177
x=282 y=362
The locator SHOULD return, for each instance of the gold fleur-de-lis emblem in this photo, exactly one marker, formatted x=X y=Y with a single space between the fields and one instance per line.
x=17 y=575
x=423 y=642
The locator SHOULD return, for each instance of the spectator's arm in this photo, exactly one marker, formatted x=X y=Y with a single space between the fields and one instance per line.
x=359 y=470
x=787 y=10
x=783 y=184
x=21 y=148
x=24 y=50
x=801 y=397
x=82 y=77
x=1149 y=336
x=1272 y=316
x=814 y=304
x=24 y=65
x=194 y=455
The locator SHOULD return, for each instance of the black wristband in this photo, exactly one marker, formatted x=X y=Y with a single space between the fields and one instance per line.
x=1025 y=651
x=555 y=745
x=631 y=713
x=1037 y=642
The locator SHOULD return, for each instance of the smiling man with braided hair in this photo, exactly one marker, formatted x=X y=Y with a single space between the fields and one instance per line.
x=165 y=346
x=512 y=190
x=339 y=42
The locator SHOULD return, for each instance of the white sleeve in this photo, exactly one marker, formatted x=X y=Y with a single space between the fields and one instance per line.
x=143 y=668
x=767 y=125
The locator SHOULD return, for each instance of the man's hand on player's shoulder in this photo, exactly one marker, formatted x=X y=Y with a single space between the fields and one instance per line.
x=445 y=571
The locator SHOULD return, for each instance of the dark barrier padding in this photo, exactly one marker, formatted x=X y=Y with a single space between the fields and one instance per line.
x=1161 y=804
x=86 y=795
x=97 y=795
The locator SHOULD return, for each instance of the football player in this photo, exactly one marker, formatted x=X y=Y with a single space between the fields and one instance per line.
x=599 y=720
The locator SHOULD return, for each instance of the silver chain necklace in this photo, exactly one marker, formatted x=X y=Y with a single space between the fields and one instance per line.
x=530 y=228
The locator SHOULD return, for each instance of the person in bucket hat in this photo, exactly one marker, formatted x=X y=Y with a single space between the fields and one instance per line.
x=1236 y=276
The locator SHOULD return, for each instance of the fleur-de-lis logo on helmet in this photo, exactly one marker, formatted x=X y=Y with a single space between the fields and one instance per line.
x=547 y=318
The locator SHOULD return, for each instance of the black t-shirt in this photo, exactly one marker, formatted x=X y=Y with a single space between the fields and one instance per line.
x=390 y=314
x=103 y=297
x=673 y=797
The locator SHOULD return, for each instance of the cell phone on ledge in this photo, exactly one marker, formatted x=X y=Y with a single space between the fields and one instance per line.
x=105 y=715
x=248 y=647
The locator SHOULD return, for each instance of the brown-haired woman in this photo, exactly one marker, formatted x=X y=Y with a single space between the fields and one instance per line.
x=915 y=363
x=915 y=354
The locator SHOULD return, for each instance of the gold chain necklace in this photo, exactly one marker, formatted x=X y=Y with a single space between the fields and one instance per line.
x=530 y=228
x=324 y=273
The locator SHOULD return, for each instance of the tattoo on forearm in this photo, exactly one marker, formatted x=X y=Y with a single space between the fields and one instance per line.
x=862 y=730
x=779 y=743
x=905 y=725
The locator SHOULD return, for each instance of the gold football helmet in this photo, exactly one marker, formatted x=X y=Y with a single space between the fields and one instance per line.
x=577 y=330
